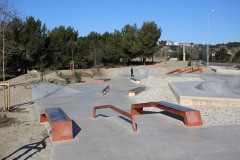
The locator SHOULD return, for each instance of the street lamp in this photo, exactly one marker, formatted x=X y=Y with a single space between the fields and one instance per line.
x=208 y=36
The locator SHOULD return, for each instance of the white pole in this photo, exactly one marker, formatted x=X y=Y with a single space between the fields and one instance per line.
x=184 y=54
x=208 y=36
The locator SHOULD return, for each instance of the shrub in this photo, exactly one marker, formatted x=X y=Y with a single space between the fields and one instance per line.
x=109 y=65
x=60 y=74
x=236 y=58
x=77 y=76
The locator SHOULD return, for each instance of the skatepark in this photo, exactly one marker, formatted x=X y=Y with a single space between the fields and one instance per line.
x=159 y=135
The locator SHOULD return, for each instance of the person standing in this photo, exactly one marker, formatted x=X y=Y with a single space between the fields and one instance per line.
x=132 y=75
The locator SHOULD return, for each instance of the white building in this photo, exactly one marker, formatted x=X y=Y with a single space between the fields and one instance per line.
x=171 y=43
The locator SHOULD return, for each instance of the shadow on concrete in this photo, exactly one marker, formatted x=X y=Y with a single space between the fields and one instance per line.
x=49 y=94
x=125 y=119
x=128 y=120
x=149 y=112
x=30 y=150
x=101 y=115
x=173 y=116
x=121 y=117
x=166 y=114
x=76 y=129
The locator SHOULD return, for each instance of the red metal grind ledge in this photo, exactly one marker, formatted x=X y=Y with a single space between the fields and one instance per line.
x=191 y=117
x=60 y=124
x=119 y=111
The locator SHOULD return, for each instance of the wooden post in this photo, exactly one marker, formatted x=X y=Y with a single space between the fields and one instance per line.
x=72 y=65
x=6 y=95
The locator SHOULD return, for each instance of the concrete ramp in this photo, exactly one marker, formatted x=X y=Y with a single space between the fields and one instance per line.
x=43 y=90
x=234 y=83
x=217 y=87
x=139 y=72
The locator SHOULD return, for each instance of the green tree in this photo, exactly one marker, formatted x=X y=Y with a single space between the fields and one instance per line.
x=148 y=36
x=236 y=58
x=89 y=50
x=221 y=55
x=82 y=48
x=95 y=48
x=31 y=38
x=34 y=37
x=14 y=62
x=111 y=46
x=233 y=44
x=61 y=40
x=129 y=42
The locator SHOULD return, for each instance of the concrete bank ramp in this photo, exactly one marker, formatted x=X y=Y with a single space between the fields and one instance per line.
x=43 y=90
x=218 y=83
x=234 y=83
x=138 y=71
x=220 y=87
x=225 y=70
x=231 y=82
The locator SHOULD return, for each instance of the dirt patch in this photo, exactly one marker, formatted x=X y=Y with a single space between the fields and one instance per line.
x=19 y=110
x=86 y=74
x=7 y=121
x=20 y=127
x=96 y=72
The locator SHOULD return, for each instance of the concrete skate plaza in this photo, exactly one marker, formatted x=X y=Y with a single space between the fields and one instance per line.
x=109 y=135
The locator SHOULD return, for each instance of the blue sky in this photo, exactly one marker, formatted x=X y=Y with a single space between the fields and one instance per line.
x=180 y=20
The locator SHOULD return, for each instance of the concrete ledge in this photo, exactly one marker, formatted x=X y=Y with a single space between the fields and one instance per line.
x=224 y=70
x=136 y=80
x=135 y=91
x=101 y=80
x=60 y=123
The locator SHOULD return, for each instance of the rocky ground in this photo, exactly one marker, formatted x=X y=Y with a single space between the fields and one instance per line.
x=159 y=90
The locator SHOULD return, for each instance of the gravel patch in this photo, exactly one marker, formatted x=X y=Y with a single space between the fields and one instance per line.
x=158 y=89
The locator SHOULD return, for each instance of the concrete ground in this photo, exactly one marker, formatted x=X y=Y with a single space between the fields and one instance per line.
x=110 y=136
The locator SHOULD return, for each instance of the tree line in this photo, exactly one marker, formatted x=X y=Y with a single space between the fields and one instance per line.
x=30 y=45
